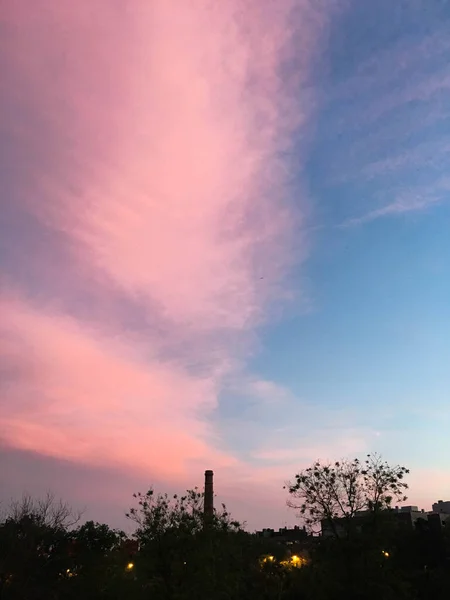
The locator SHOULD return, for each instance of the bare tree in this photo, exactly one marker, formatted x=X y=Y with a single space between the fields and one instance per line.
x=46 y=511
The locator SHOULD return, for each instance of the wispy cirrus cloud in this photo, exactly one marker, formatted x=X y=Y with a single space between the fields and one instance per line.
x=317 y=446
x=383 y=143
x=147 y=228
x=405 y=202
x=161 y=197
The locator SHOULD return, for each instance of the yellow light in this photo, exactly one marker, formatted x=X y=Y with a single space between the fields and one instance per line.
x=384 y=553
x=130 y=566
x=297 y=561
x=270 y=557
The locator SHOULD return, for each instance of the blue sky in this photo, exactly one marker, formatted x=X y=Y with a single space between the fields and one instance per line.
x=372 y=338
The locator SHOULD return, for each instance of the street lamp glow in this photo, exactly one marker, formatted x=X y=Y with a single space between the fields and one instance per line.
x=130 y=566
x=268 y=558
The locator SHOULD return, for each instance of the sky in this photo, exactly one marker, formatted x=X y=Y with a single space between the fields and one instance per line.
x=224 y=244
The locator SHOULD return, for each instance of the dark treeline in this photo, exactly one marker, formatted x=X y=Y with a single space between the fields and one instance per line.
x=174 y=554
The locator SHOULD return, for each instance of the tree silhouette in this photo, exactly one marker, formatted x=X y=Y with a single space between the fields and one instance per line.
x=335 y=493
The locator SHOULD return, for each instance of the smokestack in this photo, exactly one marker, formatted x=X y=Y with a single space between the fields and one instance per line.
x=208 y=503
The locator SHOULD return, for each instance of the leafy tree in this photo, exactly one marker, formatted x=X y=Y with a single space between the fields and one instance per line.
x=96 y=563
x=335 y=493
x=183 y=556
x=351 y=499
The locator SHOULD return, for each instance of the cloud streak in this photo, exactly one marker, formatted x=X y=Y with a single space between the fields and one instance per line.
x=382 y=146
x=412 y=201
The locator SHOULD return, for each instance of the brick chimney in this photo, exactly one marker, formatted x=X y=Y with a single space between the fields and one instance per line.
x=208 y=503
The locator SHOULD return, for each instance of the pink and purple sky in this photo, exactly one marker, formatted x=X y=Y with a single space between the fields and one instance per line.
x=224 y=243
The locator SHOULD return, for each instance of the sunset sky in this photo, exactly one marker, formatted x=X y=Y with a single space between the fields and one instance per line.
x=224 y=244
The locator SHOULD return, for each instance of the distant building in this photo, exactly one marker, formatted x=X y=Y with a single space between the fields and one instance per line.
x=297 y=542
x=442 y=507
x=440 y=515
x=284 y=535
x=408 y=515
x=437 y=521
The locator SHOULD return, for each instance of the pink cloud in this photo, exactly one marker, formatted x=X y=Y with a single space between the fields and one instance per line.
x=152 y=134
x=169 y=120
x=95 y=400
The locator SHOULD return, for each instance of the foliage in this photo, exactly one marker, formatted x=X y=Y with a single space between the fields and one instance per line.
x=328 y=492
x=177 y=554
x=31 y=555
x=184 y=556
x=43 y=554
x=158 y=515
